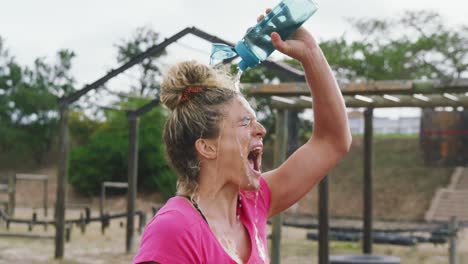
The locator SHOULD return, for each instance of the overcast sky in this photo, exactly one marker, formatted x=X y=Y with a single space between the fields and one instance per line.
x=91 y=27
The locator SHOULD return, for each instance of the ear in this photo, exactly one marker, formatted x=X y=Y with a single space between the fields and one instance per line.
x=206 y=148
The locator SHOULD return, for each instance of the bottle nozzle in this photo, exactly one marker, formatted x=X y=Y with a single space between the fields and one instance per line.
x=242 y=65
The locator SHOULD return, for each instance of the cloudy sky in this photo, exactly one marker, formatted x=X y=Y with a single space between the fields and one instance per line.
x=91 y=27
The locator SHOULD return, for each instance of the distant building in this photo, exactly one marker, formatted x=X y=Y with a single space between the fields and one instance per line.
x=384 y=125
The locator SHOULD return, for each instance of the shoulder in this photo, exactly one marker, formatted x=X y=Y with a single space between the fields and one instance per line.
x=173 y=235
x=170 y=221
x=177 y=216
x=176 y=212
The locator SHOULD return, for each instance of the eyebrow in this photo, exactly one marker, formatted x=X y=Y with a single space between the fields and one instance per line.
x=243 y=118
x=248 y=115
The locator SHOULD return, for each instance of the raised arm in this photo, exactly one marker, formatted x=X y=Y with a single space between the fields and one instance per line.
x=331 y=137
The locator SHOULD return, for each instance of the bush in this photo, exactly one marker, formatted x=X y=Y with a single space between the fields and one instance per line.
x=105 y=155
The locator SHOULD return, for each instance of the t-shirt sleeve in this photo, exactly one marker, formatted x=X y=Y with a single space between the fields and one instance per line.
x=166 y=239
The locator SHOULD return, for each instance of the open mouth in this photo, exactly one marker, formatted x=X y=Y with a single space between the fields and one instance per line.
x=255 y=159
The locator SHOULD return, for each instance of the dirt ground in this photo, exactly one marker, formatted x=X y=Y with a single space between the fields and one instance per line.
x=93 y=247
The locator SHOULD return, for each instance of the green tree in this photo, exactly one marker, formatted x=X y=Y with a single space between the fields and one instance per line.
x=147 y=73
x=28 y=103
x=417 y=45
x=104 y=156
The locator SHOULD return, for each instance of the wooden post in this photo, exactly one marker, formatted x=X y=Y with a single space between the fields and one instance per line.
x=82 y=223
x=367 y=197
x=62 y=176
x=46 y=183
x=323 y=246
x=45 y=197
x=293 y=136
x=141 y=222
x=88 y=215
x=68 y=230
x=281 y=137
x=453 y=229
x=132 y=178
x=102 y=200
x=33 y=221
x=11 y=193
x=105 y=222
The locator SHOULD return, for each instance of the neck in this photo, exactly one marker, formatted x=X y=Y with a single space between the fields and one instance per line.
x=217 y=199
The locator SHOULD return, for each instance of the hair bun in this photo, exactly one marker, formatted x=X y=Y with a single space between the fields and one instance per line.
x=182 y=75
x=193 y=74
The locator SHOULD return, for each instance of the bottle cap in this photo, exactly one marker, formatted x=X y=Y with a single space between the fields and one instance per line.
x=248 y=57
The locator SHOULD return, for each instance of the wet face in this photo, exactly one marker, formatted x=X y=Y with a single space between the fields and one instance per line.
x=240 y=146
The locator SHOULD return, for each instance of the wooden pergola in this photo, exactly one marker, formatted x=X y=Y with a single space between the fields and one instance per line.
x=374 y=94
x=369 y=95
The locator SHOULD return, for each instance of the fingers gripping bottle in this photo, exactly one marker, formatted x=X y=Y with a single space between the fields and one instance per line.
x=284 y=19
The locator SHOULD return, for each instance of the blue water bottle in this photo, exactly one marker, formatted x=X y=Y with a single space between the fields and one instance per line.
x=285 y=18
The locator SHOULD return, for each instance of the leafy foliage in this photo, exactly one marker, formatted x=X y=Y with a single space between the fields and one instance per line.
x=417 y=45
x=147 y=72
x=104 y=156
x=28 y=102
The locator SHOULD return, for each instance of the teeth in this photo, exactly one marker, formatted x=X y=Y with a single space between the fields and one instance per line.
x=257 y=149
x=254 y=153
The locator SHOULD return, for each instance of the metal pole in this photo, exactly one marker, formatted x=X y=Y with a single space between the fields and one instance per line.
x=132 y=179
x=453 y=228
x=281 y=140
x=323 y=246
x=367 y=236
x=61 y=182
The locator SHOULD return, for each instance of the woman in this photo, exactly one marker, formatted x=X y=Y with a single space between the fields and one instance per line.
x=214 y=142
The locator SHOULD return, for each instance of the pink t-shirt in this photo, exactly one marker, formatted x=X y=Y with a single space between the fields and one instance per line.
x=178 y=233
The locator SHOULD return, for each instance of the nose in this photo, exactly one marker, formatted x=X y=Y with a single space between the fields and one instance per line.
x=260 y=130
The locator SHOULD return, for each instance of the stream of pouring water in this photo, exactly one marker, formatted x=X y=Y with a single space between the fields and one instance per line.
x=227 y=243
x=237 y=80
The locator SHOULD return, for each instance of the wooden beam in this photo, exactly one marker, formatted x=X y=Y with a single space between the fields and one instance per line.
x=31 y=177
x=363 y=88
x=434 y=100
x=115 y=184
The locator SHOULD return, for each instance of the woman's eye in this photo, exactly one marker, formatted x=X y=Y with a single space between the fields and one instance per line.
x=246 y=121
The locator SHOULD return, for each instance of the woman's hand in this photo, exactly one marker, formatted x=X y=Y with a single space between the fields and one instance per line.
x=298 y=46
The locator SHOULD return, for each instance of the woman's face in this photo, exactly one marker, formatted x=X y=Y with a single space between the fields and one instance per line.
x=240 y=145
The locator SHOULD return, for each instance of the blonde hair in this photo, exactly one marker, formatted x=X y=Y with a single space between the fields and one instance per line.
x=194 y=115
